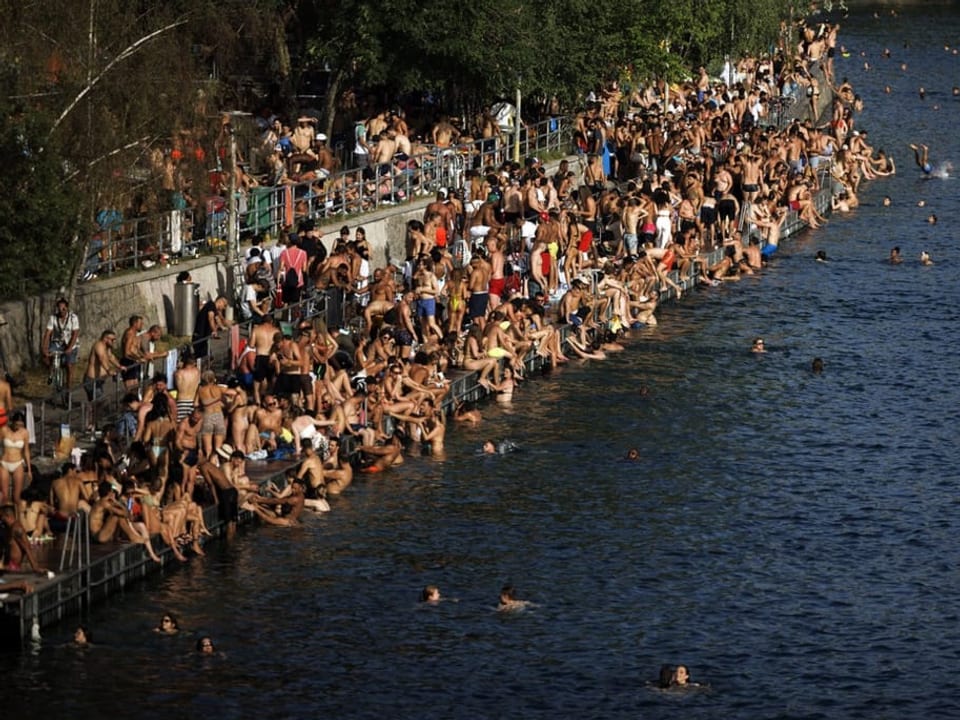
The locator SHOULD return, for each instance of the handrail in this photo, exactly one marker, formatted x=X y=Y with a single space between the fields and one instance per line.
x=134 y=243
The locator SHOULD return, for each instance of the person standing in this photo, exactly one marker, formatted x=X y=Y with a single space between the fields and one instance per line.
x=15 y=465
x=186 y=380
x=293 y=263
x=131 y=355
x=62 y=335
x=100 y=364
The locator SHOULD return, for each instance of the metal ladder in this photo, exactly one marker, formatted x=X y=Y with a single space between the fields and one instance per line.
x=76 y=543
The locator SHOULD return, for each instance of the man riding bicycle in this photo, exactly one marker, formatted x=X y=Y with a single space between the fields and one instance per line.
x=62 y=336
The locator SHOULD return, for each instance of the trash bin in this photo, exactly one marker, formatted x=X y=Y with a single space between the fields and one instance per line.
x=185 y=308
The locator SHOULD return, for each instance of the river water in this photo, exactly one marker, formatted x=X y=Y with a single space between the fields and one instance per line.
x=793 y=538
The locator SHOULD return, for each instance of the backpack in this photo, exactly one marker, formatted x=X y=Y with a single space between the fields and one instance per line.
x=293 y=275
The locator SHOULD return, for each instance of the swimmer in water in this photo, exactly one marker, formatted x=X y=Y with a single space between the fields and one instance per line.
x=821 y=256
x=205 y=645
x=758 y=346
x=887 y=201
x=817 y=366
x=168 y=625
x=895 y=258
x=82 y=637
x=470 y=414
x=921 y=155
x=503 y=447
x=633 y=454
x=925 y=258
x=509 y=601
x=675 y=677
x=932 y=219
x=430 y=594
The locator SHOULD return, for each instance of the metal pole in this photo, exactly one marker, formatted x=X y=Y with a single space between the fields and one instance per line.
x=517 y=126
x=232 y=249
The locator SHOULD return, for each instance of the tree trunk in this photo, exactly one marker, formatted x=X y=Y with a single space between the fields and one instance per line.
x=330 y=102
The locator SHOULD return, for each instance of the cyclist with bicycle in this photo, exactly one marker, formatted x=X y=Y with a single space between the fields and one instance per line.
x=62 y=336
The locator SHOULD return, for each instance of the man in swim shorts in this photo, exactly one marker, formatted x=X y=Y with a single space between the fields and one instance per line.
x=478 y=284
x=130 y=353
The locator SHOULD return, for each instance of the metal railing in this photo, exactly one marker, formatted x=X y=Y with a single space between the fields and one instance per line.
x=84 y=416
x=125 y=243
x=141 y=242
x=271 y=209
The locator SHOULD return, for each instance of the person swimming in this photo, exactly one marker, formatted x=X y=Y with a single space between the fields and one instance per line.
x=509 y=600
x=817 y=366
x=821 y=256
x=925 y=258
x=168 y=625
x=503 y=447
x=633 y=454
x=895 y=258
x=758 y=346
x=430 y=594
x=675 y=676
x=82 y=636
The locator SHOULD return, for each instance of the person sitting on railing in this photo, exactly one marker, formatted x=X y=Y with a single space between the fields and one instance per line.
x=443 y=133
x=211 y=319
x=800 y=198
x=384 y=146
x=69 y=494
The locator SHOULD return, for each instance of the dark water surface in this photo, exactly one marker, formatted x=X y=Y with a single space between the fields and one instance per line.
x=794 y=539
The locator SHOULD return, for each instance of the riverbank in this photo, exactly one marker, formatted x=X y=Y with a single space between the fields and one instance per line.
x=77 y=584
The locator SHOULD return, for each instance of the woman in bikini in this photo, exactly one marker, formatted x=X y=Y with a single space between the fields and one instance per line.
x=159 y=436
x=15 y=463
x=213 y=429
x=458 y=295
x=476 y=358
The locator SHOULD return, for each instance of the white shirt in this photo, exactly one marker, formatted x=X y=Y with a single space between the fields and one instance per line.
x=62 y=328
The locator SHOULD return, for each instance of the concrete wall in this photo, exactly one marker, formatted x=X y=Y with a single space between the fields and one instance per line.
x=108 y=303
x=103 y=304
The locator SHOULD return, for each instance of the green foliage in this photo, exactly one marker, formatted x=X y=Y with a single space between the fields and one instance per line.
x=38 y=210
x=98 y=91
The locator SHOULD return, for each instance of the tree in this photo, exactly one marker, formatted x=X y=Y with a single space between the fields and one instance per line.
x=38 y=211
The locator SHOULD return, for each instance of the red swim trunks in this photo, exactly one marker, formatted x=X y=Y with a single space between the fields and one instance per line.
x=497 y=286
x=586 y=240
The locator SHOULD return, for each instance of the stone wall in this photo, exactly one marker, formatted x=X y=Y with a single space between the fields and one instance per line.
x=108 y=303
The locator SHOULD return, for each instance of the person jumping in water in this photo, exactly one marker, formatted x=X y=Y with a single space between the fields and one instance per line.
x=920 y=154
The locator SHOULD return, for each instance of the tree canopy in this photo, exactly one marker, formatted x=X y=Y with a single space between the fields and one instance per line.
x=94 y=91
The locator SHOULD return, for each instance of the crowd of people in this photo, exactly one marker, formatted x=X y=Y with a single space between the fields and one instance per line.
x=519 y=261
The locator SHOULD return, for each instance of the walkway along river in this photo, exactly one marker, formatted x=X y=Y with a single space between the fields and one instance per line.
x=81 y=579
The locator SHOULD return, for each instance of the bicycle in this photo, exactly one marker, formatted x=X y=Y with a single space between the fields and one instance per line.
x=58 y=377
